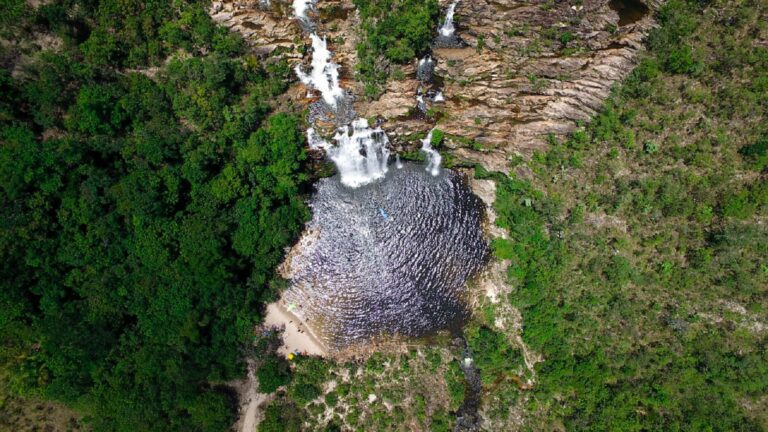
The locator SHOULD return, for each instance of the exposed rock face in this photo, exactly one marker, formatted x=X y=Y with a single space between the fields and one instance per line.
x=523 y=87
x=265 y=25
x=524 y=69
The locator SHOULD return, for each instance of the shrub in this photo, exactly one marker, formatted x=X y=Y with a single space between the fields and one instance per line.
x=272 y=374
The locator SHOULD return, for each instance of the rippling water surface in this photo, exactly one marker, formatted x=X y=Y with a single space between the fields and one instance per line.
x=388 y=258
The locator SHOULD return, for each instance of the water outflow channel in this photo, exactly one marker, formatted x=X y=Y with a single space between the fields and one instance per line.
x=389 y=249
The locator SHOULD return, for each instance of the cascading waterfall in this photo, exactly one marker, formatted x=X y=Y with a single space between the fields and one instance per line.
x=324 y=74
x=433 y=156
x=447 y=29
x=360 y=152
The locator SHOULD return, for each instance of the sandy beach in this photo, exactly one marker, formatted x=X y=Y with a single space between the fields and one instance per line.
x=297 y=335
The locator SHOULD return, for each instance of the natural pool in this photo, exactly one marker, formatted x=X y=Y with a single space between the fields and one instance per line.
x=391 y=257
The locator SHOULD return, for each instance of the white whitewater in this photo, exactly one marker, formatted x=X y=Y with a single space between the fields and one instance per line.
x=324 y=74
x=420 y=104
x=448 y=29
x=360 y=152
x=439 y=97
x=433 y=156
x=300 y=8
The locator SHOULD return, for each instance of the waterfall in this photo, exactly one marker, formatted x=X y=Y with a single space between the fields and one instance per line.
x=324 y=74
x=433 y=156
x=424 y=69
x=447 y=29
x=360 y=152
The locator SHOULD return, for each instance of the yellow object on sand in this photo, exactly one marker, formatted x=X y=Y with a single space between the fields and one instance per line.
x=290 y=356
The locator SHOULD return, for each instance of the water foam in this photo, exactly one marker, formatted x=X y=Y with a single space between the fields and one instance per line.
x=324 y=74
x=433 y=156
x=361 y=153
x=300 y=8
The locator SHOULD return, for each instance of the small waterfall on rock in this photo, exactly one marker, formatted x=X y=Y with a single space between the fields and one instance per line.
x=446 y=33
x=424 y=69
x=447 y=30
x=433 y=156
x=420 y=104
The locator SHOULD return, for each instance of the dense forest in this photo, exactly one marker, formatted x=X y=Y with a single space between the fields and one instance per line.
x=148 y=192
x=152 y=176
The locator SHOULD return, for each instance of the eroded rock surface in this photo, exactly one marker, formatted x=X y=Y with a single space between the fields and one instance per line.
x=527 y=69
x=264 y=25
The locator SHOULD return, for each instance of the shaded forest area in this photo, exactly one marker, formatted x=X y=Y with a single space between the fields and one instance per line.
x=148 y=192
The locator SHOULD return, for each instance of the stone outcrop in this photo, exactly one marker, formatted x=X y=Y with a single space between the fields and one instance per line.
x=264 y=25
x=526 y=70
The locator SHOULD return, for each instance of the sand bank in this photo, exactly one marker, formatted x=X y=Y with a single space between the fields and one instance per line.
x=297 y=334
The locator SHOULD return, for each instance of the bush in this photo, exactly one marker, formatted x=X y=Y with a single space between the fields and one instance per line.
x=757 y=154
x=281 y=416
x=272 y=374
x=303 y=392
x=395 y=31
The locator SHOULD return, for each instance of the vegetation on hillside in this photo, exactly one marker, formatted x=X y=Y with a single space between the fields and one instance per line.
x=638 y=245
x=143 y=210
x=417 y=390
x=394 y=32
